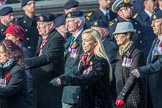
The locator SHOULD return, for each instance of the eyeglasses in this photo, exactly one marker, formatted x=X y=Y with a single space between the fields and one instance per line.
x=125 y=8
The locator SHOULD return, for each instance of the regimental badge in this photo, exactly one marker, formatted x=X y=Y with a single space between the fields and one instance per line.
x=95 y=23
x=111 y=23
x=87 y=18
x=154 y=17
x=69 y=15
x=89 y=14
x=41 y=18
x=126 y=1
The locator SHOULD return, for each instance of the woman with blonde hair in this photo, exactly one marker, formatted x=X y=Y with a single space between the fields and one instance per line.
x=93 y=74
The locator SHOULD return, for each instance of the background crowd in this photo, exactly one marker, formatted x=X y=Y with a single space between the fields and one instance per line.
x=106 y=58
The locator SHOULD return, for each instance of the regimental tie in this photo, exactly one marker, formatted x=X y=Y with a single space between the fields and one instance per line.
x=44 y=41
x=72 y=39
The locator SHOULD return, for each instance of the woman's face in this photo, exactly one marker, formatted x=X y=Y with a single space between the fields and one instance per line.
x=121 y=39
x=88 y=43
x=3 y=55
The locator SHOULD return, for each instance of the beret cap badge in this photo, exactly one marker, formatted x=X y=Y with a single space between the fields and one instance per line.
x=126 y=1
x=154 y=17
x=95 y=23
x=41 y=18
x=69 y=15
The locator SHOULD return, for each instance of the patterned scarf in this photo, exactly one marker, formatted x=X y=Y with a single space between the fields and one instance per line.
x=125 y=48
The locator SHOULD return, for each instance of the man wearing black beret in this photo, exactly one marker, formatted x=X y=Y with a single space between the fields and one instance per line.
x=61 y=27
x=6 y=18
x=75 y=22
x=153 y=69
x=28 y=22
x=47 y=63
x=71 y=5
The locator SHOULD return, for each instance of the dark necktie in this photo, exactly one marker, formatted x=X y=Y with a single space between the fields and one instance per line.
x=107 y=16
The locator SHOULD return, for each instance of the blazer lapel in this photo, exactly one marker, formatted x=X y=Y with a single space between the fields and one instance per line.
x=38 y=46
x=154 y=56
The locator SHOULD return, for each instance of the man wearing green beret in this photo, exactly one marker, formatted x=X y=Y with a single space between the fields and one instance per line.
x=153 y=70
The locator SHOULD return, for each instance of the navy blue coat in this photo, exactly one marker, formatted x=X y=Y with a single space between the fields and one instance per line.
x=148 y=34
x=98 y=14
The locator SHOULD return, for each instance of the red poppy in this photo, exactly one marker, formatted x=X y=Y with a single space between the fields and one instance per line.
x=7 y=76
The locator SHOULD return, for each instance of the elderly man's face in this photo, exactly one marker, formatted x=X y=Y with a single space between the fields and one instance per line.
x=72 y=24
x=157 y=26
x=44 y=28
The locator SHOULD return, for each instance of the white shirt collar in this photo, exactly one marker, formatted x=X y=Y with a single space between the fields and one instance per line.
x=148 y=13
x=104 y=11
x=77 y=34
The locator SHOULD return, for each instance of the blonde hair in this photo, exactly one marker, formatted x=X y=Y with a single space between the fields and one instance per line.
x=99 y=49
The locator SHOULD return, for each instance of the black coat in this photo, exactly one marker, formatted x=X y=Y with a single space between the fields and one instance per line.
x=46 y=67
x=31 y=32
x=129 y=89
x=15 y=94
x=153 y=72
x=95 y=84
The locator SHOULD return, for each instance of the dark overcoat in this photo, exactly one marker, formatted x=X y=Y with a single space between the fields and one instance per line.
x=31 y=33
x=46 y=67
x=15 y=93
x=153 y=72
x=129 y=89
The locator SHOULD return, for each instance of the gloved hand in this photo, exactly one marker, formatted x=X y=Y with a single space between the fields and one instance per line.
x=119 y=103
x=54 y=82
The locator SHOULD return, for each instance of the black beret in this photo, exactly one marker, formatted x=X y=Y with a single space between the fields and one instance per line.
x=157 y=15
x=6 y=10
x=59 y=21
x=46 y=17
x=71 y=4
x=120 y=3
x=74 y=14
x=24 y=2
x=99 y=23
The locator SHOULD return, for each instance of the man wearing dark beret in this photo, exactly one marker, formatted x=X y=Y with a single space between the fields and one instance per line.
x=110 y=46
x=61 y=27
x=75 y=22
x=6 y=18
x=103 y=12
x=153 y=69
x=124 y=14
x=28 y=22
x=47 y=63
x=71 y=5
